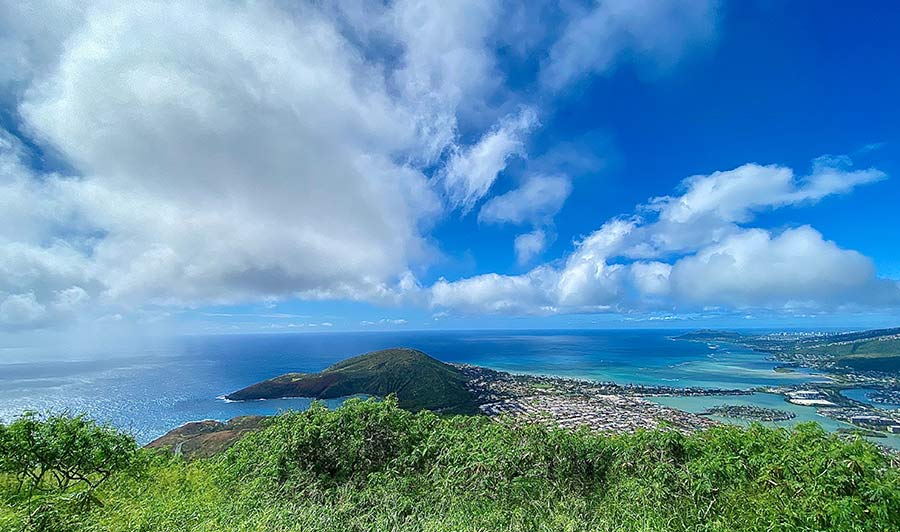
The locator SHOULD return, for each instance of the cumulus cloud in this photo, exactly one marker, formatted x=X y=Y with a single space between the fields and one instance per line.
x=471 y=171
x=220 y=152
x=734 y=195
x=31 y=37
x=447 y=67
x=530 y=245
x=795 y=268
x=651 y=279
x=657 y=31
x=21 y=309
x=494 y=293
x=536 y=201
x=719 y=261
x=217 y=152
x=711 y=207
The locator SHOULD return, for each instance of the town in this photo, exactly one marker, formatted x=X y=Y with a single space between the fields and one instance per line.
x=611 y=407
x=577 y=403
x=830 y=402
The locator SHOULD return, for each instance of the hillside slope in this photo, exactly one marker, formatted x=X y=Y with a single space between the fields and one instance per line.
x=419 y=381
x=369 y=466
x=873 y=350
x=201 y=439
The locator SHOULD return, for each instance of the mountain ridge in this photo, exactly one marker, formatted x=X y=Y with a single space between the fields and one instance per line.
x=419 y=381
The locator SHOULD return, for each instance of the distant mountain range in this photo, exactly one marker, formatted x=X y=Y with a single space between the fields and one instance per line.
x=419 y=381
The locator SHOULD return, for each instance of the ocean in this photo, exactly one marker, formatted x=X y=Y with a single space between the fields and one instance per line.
x=150 y=389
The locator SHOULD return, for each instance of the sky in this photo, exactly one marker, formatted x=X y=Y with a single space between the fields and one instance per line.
x=212 y=167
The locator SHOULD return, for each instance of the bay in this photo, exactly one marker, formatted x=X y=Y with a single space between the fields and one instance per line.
x=148 y=389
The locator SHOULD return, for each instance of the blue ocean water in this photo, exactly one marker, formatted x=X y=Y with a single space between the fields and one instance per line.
x=862 y=395
x=150 y=389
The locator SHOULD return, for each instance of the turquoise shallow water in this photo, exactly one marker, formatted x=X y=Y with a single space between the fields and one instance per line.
x=768 y=400
x=149 y=389
x=861 y=395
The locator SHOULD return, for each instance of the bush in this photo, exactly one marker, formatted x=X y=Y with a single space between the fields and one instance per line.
x=330 y=447
x=55 y=452
x=370 y=466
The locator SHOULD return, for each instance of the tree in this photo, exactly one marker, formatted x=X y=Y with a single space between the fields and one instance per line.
x=55 y=452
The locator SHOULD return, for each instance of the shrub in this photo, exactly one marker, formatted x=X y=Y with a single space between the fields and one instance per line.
x=55 y=452
x=370 y=466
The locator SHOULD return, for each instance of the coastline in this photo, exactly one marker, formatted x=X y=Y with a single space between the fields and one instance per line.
x=149 y=396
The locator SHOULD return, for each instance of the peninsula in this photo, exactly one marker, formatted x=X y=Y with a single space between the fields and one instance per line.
x=419 y=381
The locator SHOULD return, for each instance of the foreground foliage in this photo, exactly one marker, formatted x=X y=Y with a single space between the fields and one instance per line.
x=53 y=464
x=371 y=466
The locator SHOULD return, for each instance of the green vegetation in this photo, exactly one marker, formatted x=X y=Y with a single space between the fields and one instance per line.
x=784 y=369
x=202 y=439
x=371 y=466
x=419 y=382
x=858 y=431
x=864 y=355
x=711 y=335
x=875 y=350
x=51 y=466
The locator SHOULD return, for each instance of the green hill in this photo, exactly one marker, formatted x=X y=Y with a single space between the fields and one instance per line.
x=200 y=439
x=867 y=354
x=710 y=335
x=419 y=381
x=872 y=350
x=369 y=466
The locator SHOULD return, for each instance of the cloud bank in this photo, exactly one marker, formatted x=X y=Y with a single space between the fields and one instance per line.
x=694 y=251
x=200 y=153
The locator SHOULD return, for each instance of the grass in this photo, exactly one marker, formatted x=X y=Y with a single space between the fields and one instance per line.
x=371 y=466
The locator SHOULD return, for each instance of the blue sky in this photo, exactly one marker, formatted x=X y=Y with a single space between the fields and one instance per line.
x=228 y=167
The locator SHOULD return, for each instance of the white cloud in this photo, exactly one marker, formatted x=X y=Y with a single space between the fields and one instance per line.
x=494 y=293
x=21 y=310
x=537 y=201
x=530 y=245
x=651 y=278
x=471 y=171
x=24 y=310
x=447 y=68
x=658 y=31
x=296 y=325
x=796 y=267
x=719 y=262
x=384 y=321
x=710 y=207
x=225 y=152
x=733 y=196
x=230 y=152
x=31 y=37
